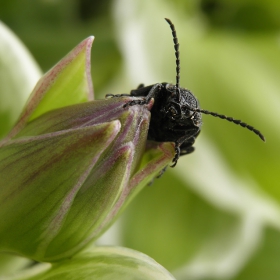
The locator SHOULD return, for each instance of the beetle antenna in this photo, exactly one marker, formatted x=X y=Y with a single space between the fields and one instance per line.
x=177 y=54
x=230 y=119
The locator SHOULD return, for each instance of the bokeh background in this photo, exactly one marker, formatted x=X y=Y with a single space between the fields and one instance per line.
x=217 y=214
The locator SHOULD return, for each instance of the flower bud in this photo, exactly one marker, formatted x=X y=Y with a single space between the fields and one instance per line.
x=66 y=173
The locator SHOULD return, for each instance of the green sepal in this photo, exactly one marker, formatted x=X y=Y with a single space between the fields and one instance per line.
x=67 y=83
x=40 y=177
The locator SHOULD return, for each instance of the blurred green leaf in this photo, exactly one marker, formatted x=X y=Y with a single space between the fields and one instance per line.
x=232 y=174
x=18 y=75
x=51 y=28
x=265 y=262
x=104 y=263
x=230 y=60
x=248 y=15
x=10 y=264
x=181 y=223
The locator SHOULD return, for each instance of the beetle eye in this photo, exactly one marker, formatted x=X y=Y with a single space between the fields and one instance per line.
x=187 y=111
x=171 y=88
x=168 y=87
x=189 y=114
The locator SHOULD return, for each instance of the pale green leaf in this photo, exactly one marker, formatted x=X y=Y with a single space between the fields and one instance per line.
x=18 y=75
x=104 y=263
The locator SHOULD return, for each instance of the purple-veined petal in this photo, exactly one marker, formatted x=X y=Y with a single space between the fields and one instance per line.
x=40 y=177
x=68 y=82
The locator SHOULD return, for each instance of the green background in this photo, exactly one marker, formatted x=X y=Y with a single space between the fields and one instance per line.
x=216 y=215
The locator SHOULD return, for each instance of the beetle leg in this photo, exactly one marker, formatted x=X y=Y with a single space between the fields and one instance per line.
x=116 y=95
x=152 y=93
x=161 y=172
x=189 y=138
x=177 y=155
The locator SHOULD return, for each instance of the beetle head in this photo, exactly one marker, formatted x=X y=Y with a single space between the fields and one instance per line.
x=179 y=110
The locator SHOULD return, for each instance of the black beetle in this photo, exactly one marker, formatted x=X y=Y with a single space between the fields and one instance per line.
x=176 y=114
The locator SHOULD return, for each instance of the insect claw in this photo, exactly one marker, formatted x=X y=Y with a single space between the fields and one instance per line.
x=174 y=164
